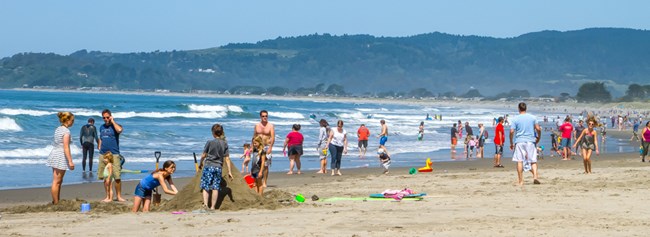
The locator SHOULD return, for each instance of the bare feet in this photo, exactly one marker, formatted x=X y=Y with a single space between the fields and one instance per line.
x=320 y=172
x=290 y=172
x=299 y=172
x=338 y=172
x=120 y=199
x=107 y=200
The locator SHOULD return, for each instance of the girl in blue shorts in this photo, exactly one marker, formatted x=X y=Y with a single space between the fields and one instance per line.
x=148 y=184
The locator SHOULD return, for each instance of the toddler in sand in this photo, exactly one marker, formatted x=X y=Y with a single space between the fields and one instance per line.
x=384 y=158
x=247 y=157
x=108 y=176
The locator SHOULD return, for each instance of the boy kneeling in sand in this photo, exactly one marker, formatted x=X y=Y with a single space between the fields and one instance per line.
x=214 y=154
x=384 y=158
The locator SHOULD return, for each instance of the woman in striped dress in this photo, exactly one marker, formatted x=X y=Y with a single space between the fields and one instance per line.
x=60 y=159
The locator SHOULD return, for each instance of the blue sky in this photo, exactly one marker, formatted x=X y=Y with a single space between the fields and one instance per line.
x=123 y=26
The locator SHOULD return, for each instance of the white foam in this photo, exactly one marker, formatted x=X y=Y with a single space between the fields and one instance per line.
x=206 y=115
x=357 y=115
x=215 y=108
x=287 y=115
x=25 y=112
x=35 y=152
x=8 y=124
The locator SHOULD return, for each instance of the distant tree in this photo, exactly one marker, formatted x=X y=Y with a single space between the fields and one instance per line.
x=472 y=93
x=593 y=92
x=335 y=89
x=420 y=92
x=565 y=95
x=636 y=91
x=386 y=94
x=319 y=88
x=277 y=90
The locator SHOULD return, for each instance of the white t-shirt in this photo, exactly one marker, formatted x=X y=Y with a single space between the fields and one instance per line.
x=338 y=137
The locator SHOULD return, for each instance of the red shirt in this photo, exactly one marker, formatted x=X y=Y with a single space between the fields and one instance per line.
x=363 y=133
x=499 y=135
x=295 y=138
x=566 y=129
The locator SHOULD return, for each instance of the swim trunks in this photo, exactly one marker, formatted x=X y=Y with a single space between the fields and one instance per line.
x=382 y=140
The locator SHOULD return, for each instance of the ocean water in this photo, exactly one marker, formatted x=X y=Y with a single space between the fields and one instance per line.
x=179 y=126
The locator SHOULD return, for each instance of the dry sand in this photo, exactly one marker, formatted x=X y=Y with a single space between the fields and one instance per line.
x=468 y=198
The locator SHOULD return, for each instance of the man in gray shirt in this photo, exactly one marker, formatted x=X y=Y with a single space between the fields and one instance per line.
x=87 y=138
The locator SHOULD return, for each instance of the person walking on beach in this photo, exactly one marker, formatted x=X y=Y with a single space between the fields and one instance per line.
x=323 y=135
x=454 y=138
x=576 y=134
x=363 y=133
x=499 y=139
x=294 y=143
x=267 y=131
x=645 y=141
x=215 y=153
x=566 y=129
x=483 y=134
x=523 y=131
x=383 y=136
x=338 y=145
x=87 y=138
x=144 y=189
x=60 y=158
x=588 y=141
x=109 y=140
x=635 y=130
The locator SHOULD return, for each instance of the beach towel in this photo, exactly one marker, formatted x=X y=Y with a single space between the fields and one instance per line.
x=397 y=194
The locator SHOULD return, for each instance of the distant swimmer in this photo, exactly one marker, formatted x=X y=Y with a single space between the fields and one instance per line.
x=312 y=116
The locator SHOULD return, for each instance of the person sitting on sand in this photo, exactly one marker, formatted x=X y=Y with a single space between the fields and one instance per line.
x=215 y=153
x=384 y=158
x=108 y=176
x=144 y=189
x=258 y=166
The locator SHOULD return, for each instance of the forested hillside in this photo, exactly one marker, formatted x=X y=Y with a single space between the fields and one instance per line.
x=548 y=62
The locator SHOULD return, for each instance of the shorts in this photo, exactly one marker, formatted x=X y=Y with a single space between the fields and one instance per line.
x=382 y=140
x=481 y=142
x=142 y=193
x=363 y=143
x=454 y=140
x=211 y=178
x=385 y=164
x=498 y=149
x=295 y=149
x=117 y=166
x=566 y=142
x=525 y=150
x=588 y=146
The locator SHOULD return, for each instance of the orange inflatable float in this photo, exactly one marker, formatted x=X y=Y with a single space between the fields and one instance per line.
x=428 y=167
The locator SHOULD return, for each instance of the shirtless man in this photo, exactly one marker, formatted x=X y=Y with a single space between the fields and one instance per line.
x=267 y=131
x=383 y=136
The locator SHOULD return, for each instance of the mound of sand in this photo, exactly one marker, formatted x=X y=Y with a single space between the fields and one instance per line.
x=234 y=195
x=73 y=206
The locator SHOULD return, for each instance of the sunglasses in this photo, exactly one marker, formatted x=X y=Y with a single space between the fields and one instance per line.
x=264 y=116
x=106 y=117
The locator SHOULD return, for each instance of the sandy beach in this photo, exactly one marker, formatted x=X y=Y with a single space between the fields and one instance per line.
x=465 y=198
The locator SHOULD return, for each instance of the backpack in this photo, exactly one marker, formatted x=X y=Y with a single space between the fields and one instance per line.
x=485 y=134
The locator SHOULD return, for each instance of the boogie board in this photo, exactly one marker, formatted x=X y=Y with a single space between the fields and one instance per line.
x=415 y=195
x=334 y=199
x=134 y=171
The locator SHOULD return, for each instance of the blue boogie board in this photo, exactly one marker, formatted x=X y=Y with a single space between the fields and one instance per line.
x=415 y=195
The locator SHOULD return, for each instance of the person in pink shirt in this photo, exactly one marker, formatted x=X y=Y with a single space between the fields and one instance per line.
x=294 y=143
x=567 y=131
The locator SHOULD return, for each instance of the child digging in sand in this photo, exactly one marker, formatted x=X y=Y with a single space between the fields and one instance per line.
x=247 y=157
x=144 y=189
x=108 y=176
x=384 y=158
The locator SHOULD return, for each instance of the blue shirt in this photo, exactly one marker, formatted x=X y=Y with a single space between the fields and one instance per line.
x=110 y=139
x=149 y=182
x=524 y=127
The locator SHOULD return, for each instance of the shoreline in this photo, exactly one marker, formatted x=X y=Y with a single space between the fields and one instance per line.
x=568 y=106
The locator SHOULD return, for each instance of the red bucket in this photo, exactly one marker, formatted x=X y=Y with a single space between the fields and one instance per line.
x=249 y=180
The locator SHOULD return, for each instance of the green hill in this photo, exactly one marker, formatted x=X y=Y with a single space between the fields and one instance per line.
x=548 y=62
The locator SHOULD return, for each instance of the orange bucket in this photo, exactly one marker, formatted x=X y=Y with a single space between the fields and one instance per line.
x=249 y=180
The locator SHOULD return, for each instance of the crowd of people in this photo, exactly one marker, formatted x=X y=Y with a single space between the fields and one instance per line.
x=524 y=136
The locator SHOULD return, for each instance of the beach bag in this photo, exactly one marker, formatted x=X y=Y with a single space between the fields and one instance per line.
x=485 y=134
